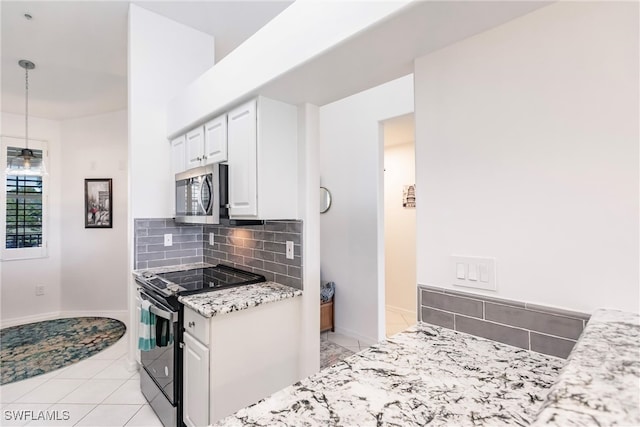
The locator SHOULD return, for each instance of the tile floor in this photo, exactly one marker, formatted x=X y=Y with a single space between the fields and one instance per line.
x=396 y=321
x=98 y=391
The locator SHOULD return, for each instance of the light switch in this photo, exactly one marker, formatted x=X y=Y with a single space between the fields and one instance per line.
x=484 y=272
x=473 y=272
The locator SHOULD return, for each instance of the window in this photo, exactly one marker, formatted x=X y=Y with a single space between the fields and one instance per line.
x=24 y=206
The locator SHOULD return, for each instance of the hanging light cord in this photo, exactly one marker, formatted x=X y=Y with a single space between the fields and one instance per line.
x=26 y=106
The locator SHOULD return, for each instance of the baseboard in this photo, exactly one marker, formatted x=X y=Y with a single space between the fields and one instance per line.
x=7 y=323
x=403 y=311
x=121 y=315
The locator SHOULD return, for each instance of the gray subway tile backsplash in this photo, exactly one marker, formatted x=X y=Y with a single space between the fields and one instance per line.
x=466 y=306
x=259 y=248
x=437 y=317
x=534 y=320
x=493 y=331
x=551 y=345
x=534 y=327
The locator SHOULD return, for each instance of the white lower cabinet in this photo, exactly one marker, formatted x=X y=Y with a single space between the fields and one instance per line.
x=196 y=380
x=233 y=360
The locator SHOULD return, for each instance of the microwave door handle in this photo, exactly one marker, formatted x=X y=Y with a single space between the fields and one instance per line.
x=202 y=182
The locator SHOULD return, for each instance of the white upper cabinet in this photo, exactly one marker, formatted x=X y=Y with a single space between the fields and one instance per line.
x=243 y=152
x=195 y=147
x=178 y=155
x=263 y=160
x=215 y=140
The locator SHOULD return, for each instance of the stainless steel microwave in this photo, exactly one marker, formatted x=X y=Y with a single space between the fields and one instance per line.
x=201 y=195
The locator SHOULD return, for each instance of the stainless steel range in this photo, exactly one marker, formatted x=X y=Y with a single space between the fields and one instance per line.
x=161 y=378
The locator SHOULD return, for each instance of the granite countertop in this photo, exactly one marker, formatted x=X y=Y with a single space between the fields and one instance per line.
x=172 y=268
x=600 y=385
x=425 y=375
x=223 y=301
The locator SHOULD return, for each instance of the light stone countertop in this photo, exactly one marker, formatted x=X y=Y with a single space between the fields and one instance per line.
x=223 y=301
x=425 y=375
x=600 y=384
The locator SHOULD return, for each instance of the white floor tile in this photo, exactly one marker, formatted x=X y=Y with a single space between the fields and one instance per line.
x=115 y=351
x=63 y=414
x=20 y=414
x=343 y=340
x=145 y=417
x=117 y=369
x=85 y=369
x=394 y=328
x=92 y=391
x=10 y=392
x=51 y=391
x=410 y=319
x=109 y=415
x=127 y=393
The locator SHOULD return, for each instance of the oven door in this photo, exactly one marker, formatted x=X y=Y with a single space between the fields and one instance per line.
x=160 y=362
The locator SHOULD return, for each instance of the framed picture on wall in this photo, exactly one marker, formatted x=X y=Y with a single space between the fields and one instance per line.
x=98 y=209
x=409 y=196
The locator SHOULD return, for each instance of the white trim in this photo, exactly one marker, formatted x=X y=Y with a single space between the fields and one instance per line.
x=121 y=315
x=24 y=253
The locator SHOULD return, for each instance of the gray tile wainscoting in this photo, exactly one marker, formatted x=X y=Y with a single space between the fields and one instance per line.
x=530 y=326
x=259 y=248
x=188 y=243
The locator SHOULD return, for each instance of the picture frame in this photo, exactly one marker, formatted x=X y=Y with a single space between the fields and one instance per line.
x=98 y=203
x=409 y=196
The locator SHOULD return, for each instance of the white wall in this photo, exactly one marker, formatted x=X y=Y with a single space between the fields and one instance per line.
x=351 y=163
x=527 y=151
x=94 y=261
x=20 y=277
x=164 y=56
x=309 y=209
x=399 y=228
x=292 y=38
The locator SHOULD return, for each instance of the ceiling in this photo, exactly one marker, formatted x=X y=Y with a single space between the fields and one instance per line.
x=80 y=48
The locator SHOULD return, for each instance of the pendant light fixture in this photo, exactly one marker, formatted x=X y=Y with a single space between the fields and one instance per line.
x=26 y=163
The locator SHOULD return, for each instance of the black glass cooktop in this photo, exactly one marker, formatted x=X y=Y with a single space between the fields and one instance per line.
x=206 y=279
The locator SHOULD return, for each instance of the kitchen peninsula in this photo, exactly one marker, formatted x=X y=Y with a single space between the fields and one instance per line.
x=431 y=375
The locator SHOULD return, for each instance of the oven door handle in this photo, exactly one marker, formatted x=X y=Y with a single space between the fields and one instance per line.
x=171 y=316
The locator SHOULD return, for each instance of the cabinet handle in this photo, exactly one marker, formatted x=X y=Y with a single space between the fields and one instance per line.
x=192 y=324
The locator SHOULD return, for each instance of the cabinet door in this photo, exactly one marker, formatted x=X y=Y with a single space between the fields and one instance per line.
x=195 y=147
x=242 y=152
x=195 y=384
x=215 y=140
x=178 y=155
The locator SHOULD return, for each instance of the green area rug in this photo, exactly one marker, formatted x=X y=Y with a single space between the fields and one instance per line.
x=37 y=348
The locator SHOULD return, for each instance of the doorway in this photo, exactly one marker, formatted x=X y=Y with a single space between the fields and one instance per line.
x=399 y=223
